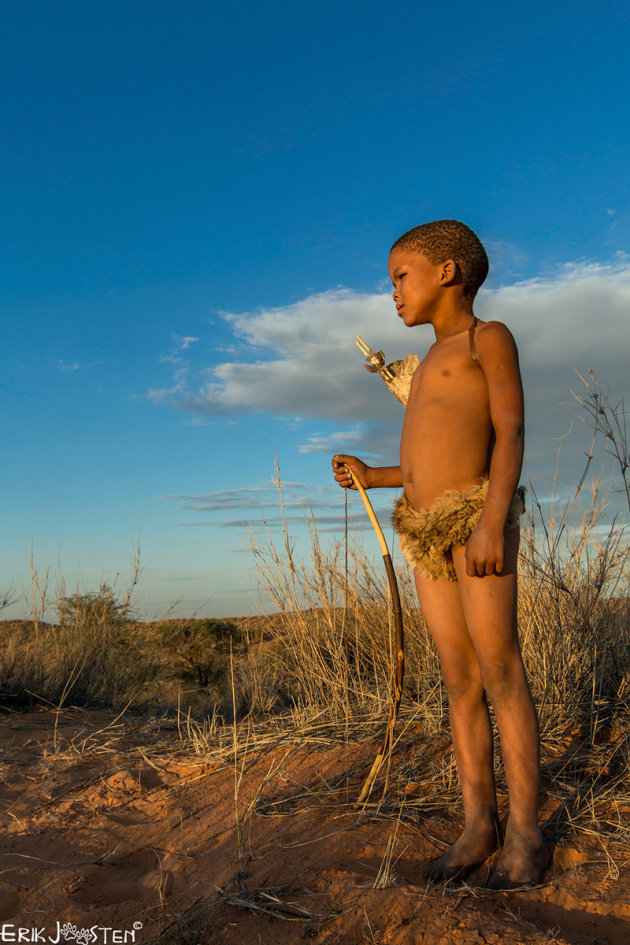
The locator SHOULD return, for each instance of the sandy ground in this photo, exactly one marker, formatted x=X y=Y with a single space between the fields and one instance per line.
x=112 y=831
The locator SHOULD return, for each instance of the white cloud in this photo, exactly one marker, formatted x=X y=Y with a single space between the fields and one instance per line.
x=572 y=321
x=300 y=359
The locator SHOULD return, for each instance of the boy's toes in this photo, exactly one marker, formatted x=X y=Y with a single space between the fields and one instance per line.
x=516 y=872
x=467 y=854
x=439 y=872
x=500 y=880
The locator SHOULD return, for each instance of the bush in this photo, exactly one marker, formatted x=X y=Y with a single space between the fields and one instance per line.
x=97 y=609
x=199 y=646
x=89 y=658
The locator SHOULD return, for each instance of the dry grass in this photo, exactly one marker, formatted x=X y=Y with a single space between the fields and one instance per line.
x=329 y=652
x=87 y=657
x=320 y=671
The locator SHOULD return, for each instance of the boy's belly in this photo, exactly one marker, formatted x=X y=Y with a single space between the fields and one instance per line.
x=442 y=450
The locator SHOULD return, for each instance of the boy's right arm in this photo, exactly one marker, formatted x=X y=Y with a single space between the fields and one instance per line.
x=370 y=477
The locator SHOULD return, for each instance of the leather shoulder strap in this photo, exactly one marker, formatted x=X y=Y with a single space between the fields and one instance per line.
x=471 y=340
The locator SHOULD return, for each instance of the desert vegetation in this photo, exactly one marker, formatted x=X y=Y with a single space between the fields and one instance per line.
x=326 y=651
x=319 y=671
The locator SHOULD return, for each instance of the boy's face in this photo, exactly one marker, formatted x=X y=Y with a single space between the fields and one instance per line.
x=416 y=284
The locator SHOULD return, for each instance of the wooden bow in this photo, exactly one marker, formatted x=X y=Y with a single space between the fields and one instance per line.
x=400 y=645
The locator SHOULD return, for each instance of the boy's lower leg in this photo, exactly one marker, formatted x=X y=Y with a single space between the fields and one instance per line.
x=525 y=856
x=472 y=741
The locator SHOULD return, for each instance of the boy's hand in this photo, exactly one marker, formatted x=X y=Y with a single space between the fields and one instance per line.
x=484 y=552
x=359 y=469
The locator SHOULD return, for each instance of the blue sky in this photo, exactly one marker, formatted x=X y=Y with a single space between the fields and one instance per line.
x=198 y=202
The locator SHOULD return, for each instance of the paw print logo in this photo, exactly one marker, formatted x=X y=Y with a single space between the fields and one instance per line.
x=68 y=931
x=81 y=936
x=85 y=936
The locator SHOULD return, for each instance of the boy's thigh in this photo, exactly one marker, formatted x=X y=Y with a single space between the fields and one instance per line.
x=489 y=602
x=442 y=609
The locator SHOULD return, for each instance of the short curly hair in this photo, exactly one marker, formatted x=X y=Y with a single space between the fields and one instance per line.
x=450 y=239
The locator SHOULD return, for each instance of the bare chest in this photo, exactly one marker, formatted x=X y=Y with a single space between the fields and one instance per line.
x=448 y=377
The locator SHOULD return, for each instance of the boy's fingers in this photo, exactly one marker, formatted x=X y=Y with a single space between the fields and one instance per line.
x=491 y=567
x=474 y=568
x=342 y=475
x=479 y=568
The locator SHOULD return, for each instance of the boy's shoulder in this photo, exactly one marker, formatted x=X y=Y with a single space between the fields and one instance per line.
x=493 y=327
x=493 y=336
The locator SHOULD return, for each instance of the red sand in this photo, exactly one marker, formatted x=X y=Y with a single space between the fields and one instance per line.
x=121 y=827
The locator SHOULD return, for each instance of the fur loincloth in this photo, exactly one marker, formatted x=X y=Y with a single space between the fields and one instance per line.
x=427 y=536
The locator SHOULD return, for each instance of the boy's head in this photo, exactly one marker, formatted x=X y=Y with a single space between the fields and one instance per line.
x=450 y=239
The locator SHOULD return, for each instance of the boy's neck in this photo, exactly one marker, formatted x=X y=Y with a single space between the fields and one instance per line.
x=452 y=318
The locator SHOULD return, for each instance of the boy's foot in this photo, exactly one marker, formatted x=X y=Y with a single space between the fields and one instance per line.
x=468 y=852
x=523 y=862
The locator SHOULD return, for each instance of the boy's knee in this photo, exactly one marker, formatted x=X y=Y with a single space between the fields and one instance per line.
x=501 y=679
x=462 y=685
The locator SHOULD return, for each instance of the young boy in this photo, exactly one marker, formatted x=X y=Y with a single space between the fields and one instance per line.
x=461 y=452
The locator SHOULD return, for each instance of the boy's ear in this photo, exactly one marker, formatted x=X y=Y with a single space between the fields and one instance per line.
x=449 y=273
